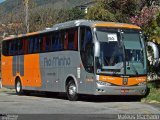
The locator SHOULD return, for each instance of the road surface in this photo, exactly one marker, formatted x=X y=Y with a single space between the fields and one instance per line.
x=10 y=103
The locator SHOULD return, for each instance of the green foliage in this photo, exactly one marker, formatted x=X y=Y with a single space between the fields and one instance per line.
x=113 y=10
x=152 y=30
x=100 y=14
x=75 y=14
x=154 y=93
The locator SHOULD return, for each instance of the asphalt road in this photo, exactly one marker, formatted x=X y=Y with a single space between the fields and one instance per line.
x=39 y=104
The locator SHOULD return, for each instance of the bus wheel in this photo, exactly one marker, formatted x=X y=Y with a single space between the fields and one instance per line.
x=72 y=91
x=18 y=87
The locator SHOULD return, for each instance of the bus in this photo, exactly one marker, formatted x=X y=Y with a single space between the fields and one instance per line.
x=77 y=57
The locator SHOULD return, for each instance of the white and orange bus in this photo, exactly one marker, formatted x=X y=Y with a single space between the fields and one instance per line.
x=77 y=57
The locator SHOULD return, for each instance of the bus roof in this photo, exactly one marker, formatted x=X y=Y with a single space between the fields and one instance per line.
x=74 y=23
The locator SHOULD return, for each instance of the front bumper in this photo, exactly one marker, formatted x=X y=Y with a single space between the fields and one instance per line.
x=120 y=90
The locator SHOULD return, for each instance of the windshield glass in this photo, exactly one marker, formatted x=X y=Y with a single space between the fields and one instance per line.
x=135 y=53
x=111 y=52
x=121 y=52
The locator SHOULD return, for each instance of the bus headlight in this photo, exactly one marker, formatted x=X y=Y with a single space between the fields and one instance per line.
x=103 y=83
x=142 y=83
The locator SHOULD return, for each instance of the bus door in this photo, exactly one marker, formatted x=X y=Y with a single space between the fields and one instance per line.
x=87 y=56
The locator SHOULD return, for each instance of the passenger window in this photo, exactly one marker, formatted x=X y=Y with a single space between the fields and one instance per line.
x=40 y=43
x=72 y=35
x=5 y=49
x=20 y=47
x=11 y=47
x=71 y=39
x=30 y=45
x=16 y=46
x=66 y=41
x=76 y=40
x=61 y=40
x=54 y=41
x=48 y=43
x=36 y=45
x=85 y=37
x=25 y=46
x=43 y=44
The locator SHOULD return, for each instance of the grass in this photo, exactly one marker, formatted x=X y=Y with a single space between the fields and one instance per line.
x=153 y=92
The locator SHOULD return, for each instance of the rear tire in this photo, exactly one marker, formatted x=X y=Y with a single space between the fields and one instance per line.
x=18 y=87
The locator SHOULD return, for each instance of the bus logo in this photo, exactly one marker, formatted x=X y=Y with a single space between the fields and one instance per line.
x=125 y=81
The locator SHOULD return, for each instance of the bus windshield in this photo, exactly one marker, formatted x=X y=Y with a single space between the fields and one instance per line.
x=121 y=53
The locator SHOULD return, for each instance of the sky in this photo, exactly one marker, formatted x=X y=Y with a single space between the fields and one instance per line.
x=1 y=1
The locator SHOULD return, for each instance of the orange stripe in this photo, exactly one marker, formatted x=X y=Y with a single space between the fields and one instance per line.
x=33 y=33
x=119 y=80
x=21 y=35
x=119 y=25
x=110 y=79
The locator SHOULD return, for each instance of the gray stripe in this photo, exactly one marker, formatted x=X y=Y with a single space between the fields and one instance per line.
x=14 y=66
x=21 y=65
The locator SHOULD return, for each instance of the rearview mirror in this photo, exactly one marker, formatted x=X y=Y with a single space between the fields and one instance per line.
x=97 y=49
x=153 y=54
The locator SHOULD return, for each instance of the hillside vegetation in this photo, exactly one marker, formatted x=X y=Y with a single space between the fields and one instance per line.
x=42 y=14
x=13 y=5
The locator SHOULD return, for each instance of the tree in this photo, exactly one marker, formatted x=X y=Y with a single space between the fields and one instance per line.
x=99 y=12
x=75 y=14
x=113 y=10
x=147 y=19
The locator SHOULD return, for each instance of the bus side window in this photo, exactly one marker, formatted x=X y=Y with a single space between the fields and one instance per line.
x=56 y=41
x=20 y=47
x=76 y=40
x=66 y=41
x=48 y=43
x=16 y=46
x=11 y=47
x=30 y=45
x=53 y=46
x=5 y=49
x=25 y=46
x=43 y=44
x=61 y=40
x=36 y=45
x=82 y=36
x=87 y=38
x=71 y=39
x=40 y=43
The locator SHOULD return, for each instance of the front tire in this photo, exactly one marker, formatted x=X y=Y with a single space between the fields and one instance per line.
x=72 y=91
x=18 y=87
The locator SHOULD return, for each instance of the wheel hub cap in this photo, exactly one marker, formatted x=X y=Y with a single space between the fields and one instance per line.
x=18 y=87
x=72 y=90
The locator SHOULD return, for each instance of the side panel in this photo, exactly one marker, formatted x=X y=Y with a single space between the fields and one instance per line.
x=26 y=67
x=32 y=76
x=55 y=68
x=47 y=71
